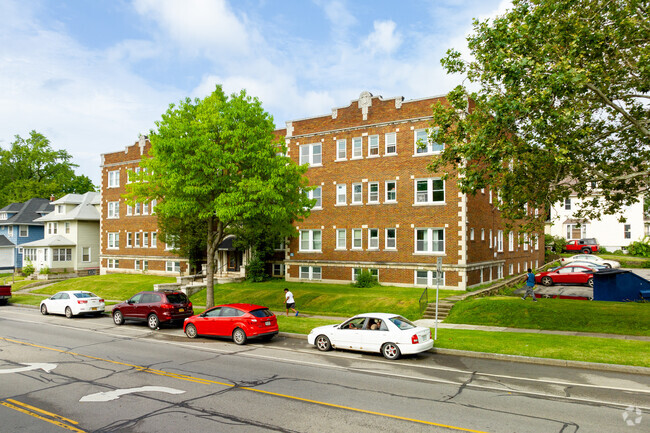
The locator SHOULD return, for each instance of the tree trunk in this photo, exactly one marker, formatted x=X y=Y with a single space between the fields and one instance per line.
x=209 y=301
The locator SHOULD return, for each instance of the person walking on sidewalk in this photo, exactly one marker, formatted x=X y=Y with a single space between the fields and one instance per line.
x=530 y=286
x=289 y=301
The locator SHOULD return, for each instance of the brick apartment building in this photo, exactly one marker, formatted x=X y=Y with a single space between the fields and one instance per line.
x=379 y=208
x=129 y=234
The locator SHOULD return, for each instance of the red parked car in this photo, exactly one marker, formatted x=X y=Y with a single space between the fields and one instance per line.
x=568 y=274
x=239 y=321
x=154 y=308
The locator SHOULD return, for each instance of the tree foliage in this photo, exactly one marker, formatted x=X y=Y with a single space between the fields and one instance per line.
x=215 y=163
x=31 y=168
x=562 y=105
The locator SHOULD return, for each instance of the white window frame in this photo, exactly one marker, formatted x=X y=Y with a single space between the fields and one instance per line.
x=373 y=198
x=357 y=196
x=342 y=144
x=311 y=241
x=430 y=149
x=525 y=241
x=83 y=250
x=23 y=231
x=491 y=244
x=357 y=271
x=10 y=231
x=569 y=231
x=373 y=145
x=114 y=179
x=418 y=195
x=341 y=191
x=471 y=234
x=113 y=209
x=154 y=239
x=390 y=141
x=280 y=270
x=500 y=241
x=431 y=278
x=172 y=266
x=113 y=263
x=129 y=210
x=386 y=195
x=429 y=241
x=113 y=241
x=316 y=193
x=512 y=269
x=373 y=239
x=341 y=239
x=511 y=240
x=308 y=154
x=387 y=239
x=310 y=272
x=145 y=239
x=129 y=239
x=567 y=203
x=357 y=239
x=67 y=228
x=357 y=148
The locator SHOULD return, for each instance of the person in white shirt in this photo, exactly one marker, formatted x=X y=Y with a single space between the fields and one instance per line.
x=290 y=302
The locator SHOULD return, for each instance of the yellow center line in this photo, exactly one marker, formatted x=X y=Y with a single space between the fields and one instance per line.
x=230 y=385
x=53 y=415
x=35 y=415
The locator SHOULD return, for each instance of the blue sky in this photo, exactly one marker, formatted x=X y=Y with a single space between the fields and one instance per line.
x=93 y=75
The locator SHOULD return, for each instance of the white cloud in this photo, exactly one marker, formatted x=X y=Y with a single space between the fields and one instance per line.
x=383 y=39
x=338 y=14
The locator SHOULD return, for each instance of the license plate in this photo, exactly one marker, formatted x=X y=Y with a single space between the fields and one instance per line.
x=267 y=323
x=180 y=310
x=93 y=308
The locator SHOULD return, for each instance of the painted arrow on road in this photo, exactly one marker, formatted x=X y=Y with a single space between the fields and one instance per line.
x=114 y=395
x=30 y=366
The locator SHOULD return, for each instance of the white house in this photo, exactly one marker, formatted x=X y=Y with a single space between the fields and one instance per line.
x=609 y=231
x=71 y=241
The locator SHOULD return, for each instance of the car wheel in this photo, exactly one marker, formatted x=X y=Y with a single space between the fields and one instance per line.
x=547 y=281
x=118 y=319
x=153 y=321
x=323 y=343
x=44 y=309
x=608 y=266
x=586 y=251
x=68 y=312
x=239 y=336
x=190 y=331
x=590 y=282
x=390 y=351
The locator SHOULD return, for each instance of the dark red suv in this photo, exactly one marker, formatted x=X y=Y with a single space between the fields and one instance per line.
x=154 y=308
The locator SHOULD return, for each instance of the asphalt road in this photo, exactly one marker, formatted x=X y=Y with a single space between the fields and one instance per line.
x=88 y=375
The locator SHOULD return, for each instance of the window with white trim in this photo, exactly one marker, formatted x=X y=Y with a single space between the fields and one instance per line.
x=136 y=244
x=278 y=269
x=499 y=272
x=500 y=241
x=310 y=273
x=52 y=228
x=136 y=265
x=316 y=194
x=129 y=210
x=170 y=244
x=429 y=191
x=511 y=241
x=113 y=240
x=10 y=231
x=341 y=194
x=627 y=231
x=85 y=254
x=23 y=231
x=138 y=207
x=429 y=240
x=341 y=239
x=391 y=143
x=61 y=254
x=357 y=239
x=129 y=239
x=391 y=191
x=153 y=205
x=154 y=238
x=567 y=203
x=391 y=239
x=357 y=148
x=311 y=154
x=357 y=271
x=373 y=192
x=171 y=266
x=113 y=209
x=424 y=145
x=511 y=269
x=490 y=238
x=357 y=193
x=310 y=240
x=113 y=263
x=482 y=234
x=471 y=234
x=145 y=208
x=373 y=239
x=145 y=239
x=341 y=149
x=525 y=241
x=429 y=278
x=114 y=179
x=576 y=231
x=29 y=254
x=67 y=228
x=373 y=145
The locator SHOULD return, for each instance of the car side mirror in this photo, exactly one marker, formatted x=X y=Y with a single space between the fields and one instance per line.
x=130 y=301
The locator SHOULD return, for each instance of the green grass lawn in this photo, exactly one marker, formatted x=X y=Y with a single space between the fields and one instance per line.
x=117 y=287
x=631 y=318
x=324 y=299
x=26 y=299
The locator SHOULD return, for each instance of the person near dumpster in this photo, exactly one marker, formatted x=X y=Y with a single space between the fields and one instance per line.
x=530 y=285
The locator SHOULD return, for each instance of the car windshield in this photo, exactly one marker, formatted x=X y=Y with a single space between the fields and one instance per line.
x=85 y=295
x=176 y=298
x=402 y=323
x=262 y=312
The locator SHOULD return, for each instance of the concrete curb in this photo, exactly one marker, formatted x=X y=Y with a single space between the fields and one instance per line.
x=525 y=359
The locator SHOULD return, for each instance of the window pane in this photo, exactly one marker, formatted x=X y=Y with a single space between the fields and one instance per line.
x=438 y=242
x=391 y=192
x=316 y=154
x=304 y=240
x=317 y=240
x=316 y=272
x=438 y=190
x=422 y=188
x=421 y=240
x=304 y=272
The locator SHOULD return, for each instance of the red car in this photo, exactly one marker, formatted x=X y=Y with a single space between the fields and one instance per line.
x=239 y=321
x=154 y=308
x=568 y=274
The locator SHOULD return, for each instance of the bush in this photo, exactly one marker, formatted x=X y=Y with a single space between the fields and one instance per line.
x=365 y=279
x=45 y=270
x=255 y=270
x=28 y=270
x=640 y=248
x=555 y=243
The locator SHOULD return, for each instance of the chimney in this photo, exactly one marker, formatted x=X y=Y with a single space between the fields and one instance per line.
x=52 y=198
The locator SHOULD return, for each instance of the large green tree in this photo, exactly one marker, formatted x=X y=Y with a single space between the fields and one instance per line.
x=31 y=168
x=215 y=162
x=558 y=100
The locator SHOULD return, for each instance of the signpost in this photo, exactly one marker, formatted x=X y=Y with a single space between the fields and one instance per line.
x=438 y=272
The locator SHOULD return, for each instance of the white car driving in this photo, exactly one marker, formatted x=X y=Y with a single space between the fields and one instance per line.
x=72 y=303
x=389 y=334
x=590 y=258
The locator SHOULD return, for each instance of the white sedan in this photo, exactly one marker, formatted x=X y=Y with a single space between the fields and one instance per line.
x=389 y=334
x=72 y=303
x=590 y=258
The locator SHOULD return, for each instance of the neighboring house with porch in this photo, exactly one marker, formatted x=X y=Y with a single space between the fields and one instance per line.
x=71 y=241
x=610 y=231
x=18 y=226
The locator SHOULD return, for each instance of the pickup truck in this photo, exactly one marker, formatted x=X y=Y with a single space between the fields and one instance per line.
x=5 y=294
x=585 y=246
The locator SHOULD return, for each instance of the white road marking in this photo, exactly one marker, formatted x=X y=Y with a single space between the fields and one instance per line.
x=114 y=395
x=30 y=366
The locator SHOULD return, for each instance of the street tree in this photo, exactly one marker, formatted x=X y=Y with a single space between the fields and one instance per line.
x=31 y=168
x=559 y=105
x=216 y=162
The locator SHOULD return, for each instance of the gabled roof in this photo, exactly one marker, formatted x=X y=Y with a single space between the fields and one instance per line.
x=84 y=211
x=53 y=241
x=28 y=212
x=4 y=242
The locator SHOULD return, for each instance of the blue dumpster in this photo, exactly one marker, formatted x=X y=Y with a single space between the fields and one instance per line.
x=619 y=285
